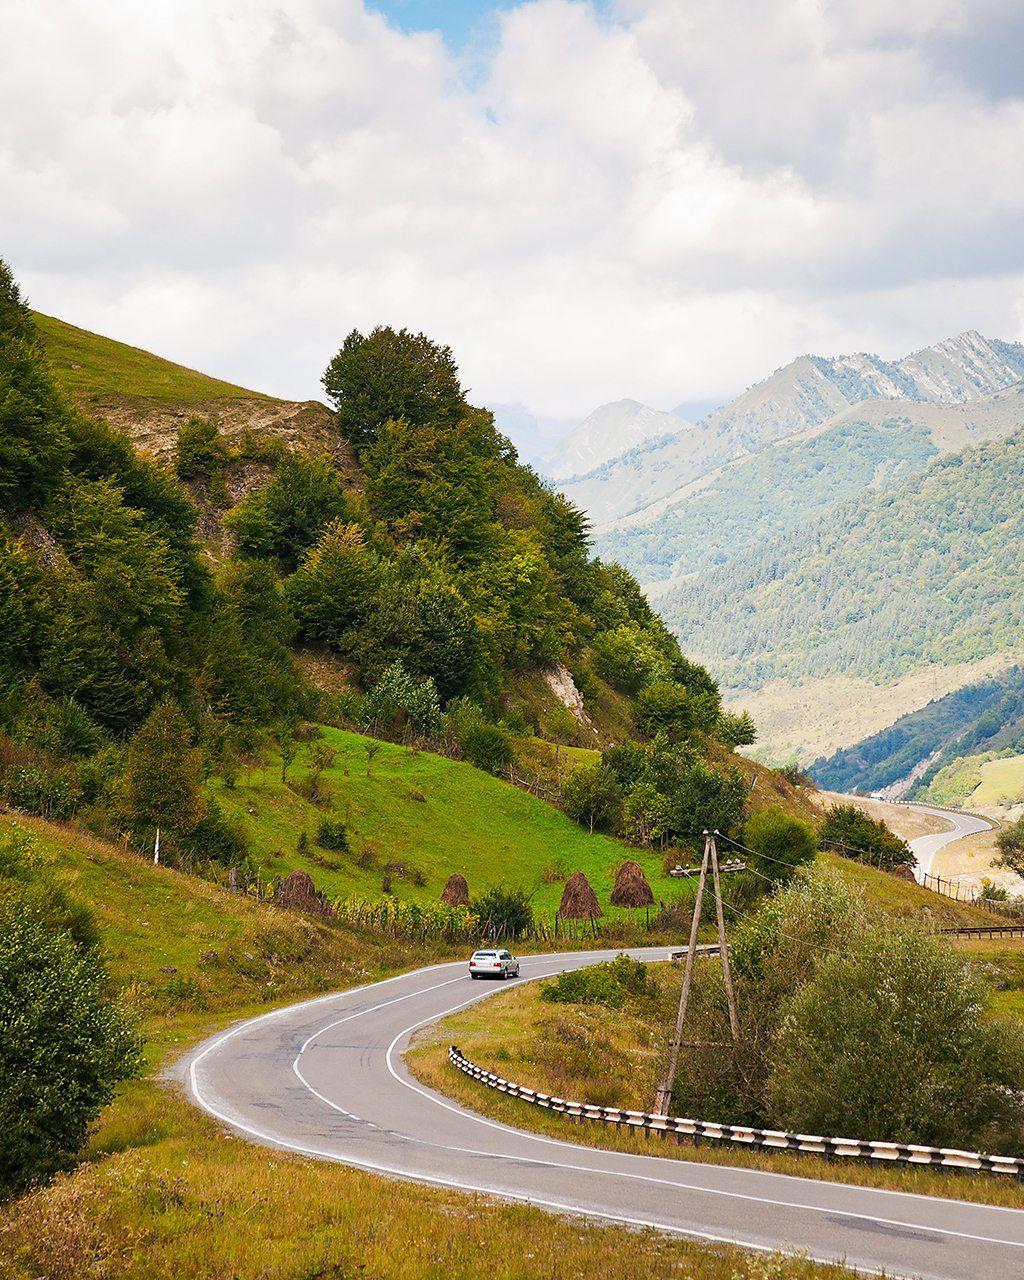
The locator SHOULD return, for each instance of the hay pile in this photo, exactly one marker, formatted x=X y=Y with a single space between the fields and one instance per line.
x=579 y=901
x=631 y=887
x=297 y=892
x=456 y=891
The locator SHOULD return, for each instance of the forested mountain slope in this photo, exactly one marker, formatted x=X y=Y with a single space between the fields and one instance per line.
x=611 y=429
x=904 y=758
x=929 y=571
x=755 y=499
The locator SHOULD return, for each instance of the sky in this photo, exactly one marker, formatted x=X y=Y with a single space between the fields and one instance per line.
x=657 y=199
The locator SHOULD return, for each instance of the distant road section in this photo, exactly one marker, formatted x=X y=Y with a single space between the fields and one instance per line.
x=958 y=825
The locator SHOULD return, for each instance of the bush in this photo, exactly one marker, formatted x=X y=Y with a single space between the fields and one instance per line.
x=591 y=796
x=890 y=1042
x=49 y=793
x=851 y=832
x=782 y=843
x=504 y=910
x=201 y=450
x=215 y=838
x=612 y=984
x=333 y=835
x=1010 y=842
x=64 y=1046
x=736 y=729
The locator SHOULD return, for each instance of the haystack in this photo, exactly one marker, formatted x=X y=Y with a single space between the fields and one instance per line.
x=631 y=887
x=579 y=901
x=456 y=891
x=297 y=892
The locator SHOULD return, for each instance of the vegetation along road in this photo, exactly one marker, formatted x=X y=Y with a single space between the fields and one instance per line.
x=326 y=1078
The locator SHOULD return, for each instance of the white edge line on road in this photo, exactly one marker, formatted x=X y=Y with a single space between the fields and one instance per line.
x=237 y=1123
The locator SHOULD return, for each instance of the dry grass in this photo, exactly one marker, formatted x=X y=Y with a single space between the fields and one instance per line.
x=614 y=1058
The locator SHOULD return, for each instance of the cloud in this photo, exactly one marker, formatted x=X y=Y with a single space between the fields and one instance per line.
x=665 y=203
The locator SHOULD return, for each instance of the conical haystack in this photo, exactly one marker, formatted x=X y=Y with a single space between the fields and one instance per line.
x=631 y=887
x=297 y=892
x=579 y=901
x=456 y=891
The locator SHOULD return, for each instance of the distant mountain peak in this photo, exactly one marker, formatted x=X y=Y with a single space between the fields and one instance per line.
x=610 y=431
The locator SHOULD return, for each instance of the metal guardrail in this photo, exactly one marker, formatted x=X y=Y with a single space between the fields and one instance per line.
x=986 y=931
x=741 y=1136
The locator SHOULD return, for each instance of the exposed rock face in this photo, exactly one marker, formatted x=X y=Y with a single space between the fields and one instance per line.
x=560 y=682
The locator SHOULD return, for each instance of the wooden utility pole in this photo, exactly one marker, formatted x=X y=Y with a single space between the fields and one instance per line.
x=664 y=1095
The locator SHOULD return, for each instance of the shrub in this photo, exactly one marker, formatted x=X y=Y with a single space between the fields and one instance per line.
x=488 y=746
x=1010 y=842
x=47 y=792
x=215 y=838
x=201 y=450
x=333 y=835
x=504 y=910
x=850 y=831
x=64 y=1046
x=612 y=984
x=781 y=842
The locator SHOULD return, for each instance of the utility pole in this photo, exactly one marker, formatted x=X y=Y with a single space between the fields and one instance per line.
x=156 y=848
x=664 y=1095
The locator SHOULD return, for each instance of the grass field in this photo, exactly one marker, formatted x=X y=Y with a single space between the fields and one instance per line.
x=613 y=1057
x=93 y=368
x=430 y=816
x=163 y=1192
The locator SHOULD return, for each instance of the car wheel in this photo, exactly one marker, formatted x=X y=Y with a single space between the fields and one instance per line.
x=474 y=976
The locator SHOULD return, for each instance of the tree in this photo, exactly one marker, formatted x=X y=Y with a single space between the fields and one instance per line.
x=737 y=729
x=320 y=756
x=646 y=814
x=333 y=590
x=629 y=658
x=64 y=1045
x=397 y=700
x=33 y=419
x=591 y=796
x=705 y=799
x=890 y=1041
x=665 y=708
x=163 y=774
x=1010 y=842
x=781 y=843
x=850 y=831
x=392 y=375
x=284 y=519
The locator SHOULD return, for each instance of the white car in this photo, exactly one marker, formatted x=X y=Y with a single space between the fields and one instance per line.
x=493 y=964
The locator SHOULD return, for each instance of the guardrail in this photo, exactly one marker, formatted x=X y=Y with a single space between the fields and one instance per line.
x=986 y=931
x=740 y=1136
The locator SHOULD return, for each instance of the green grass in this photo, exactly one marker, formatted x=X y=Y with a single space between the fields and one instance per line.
x=91 y=368
x=901 y=897
x=614 y=1057
x=162 y=1191
x=434 y=815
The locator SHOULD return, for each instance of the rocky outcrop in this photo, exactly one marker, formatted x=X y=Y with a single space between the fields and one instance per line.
x=559 y=680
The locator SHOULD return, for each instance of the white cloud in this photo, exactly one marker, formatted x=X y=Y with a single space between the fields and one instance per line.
x=666 y=205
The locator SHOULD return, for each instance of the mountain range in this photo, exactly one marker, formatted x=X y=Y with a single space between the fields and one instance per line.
x=804 y=394
x=612 y=429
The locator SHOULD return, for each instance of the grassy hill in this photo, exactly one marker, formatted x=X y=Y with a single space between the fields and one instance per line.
x=94 y=369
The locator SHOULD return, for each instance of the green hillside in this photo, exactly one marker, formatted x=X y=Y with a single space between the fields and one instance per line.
x=95 y=370
x=755 y=501
x=926 y=572
x=986 y=717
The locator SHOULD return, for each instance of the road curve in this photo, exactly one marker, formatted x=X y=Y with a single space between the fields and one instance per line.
x=326 y=1078
x=960 y=824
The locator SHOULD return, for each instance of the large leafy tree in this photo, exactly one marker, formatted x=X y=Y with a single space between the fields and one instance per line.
x=163 y=776
x=388 y=375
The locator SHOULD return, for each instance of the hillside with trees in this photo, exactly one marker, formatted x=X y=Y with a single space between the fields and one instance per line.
x=926 y=572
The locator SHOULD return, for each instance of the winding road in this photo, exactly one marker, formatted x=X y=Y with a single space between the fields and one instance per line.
x=326 y=1078
x=960 y=824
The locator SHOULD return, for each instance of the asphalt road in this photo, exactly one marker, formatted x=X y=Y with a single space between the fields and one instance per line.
x=960 y=824
x=326 y=1078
